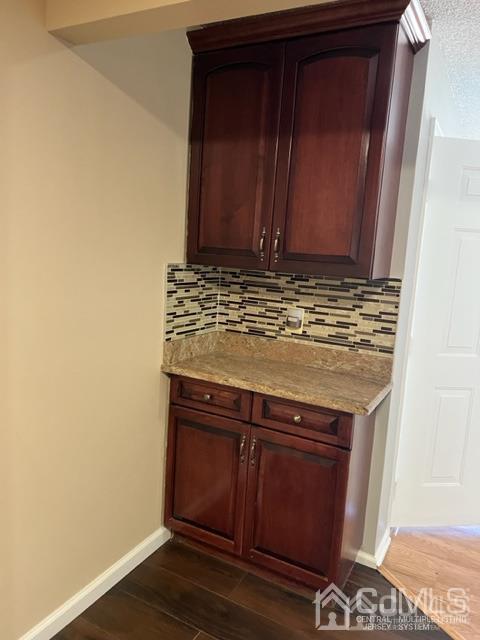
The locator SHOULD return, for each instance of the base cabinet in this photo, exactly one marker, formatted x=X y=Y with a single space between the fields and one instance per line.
x=286 y=503
x=207 y=474
x=296 y=489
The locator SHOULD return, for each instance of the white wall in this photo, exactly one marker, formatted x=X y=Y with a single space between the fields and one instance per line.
x=376 y=524
x=92 y=206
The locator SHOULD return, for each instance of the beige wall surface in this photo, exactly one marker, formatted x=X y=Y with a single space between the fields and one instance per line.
x=92 y=206
x=94 y=20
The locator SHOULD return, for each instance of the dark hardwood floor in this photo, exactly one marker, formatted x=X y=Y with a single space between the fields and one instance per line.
x=180 y=593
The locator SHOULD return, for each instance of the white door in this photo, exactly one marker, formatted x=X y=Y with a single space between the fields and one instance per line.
x=438 y=473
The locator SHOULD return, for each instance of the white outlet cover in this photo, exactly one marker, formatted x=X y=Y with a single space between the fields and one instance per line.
x=298 y=314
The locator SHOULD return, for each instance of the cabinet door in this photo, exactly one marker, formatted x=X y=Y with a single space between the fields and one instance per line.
x=236 y=105
x=295 y=505
x=206 y=477
x=332 y=133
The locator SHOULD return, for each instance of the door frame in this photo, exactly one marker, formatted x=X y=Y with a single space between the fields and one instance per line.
x=403 y=349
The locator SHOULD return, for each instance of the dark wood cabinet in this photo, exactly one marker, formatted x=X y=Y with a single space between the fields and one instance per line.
x=334 y=116
x=290 y=504
x=296 y=418
x=207 y=477
x=211 y=397
x=296 y=144
x=295 y=497
x=235 y=115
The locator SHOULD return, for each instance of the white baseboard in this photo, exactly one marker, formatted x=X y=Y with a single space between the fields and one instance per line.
x=77 y=604
x=375 y=560
x=381 y=550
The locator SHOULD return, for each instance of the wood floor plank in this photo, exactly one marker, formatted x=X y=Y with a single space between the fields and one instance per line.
x=298 y=613
x=362 y=576
x=206 y=571
x=200 y=608
x=289 y=609
x=80 y=629
x=186 y=594
x=443 y=542
x=439 y=559
x=119 y=616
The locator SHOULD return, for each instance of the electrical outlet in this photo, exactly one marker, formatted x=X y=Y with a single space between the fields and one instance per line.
x=294 y=319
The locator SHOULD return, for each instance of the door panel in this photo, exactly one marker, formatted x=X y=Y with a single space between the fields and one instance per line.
x=295 y=497
x=324 y=206
x=206 y=477
x=236 y=104
x=334 y=116
x=463 y=328
x=438 y=472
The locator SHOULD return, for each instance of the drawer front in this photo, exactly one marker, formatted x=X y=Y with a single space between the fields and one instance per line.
x=211 y=397
x=303 y=420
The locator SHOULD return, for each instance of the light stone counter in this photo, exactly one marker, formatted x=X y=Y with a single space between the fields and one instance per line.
x=332 y=378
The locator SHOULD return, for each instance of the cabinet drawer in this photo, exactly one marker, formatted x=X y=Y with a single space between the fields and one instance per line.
x=214 y=398
x=303 y=420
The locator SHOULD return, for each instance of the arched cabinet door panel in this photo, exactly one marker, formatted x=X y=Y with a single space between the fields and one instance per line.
x=234 y=135
x=335 y=109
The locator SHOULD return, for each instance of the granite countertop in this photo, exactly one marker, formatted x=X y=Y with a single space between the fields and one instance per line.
x=331 y=378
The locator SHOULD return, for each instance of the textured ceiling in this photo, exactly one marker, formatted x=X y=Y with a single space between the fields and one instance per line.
x=456 y=25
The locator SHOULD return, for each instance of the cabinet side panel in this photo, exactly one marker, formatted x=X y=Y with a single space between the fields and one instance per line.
x=357 y=493
x=393 y=157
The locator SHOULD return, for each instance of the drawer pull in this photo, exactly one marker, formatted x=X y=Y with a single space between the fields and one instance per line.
x=276 y=246
x=262 y=244
x=207 y=397
x=253 y=452
x=242 y=448
x=297 y=419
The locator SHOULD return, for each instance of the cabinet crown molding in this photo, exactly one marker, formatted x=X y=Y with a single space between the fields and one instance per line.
x=416 y=25
x=341 y=14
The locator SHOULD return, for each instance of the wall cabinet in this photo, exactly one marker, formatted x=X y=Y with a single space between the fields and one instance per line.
x=296 y=144
x=291 y=504
x=233 y=149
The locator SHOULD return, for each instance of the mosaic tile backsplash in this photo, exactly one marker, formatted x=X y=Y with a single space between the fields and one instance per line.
x=347 y=313
x=192 y=300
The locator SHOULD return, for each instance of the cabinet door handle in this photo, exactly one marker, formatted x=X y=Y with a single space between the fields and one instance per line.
x=276 y=246
x=207 y=397
x=297 y=419
x=262 y=244
x=253 y=451
x=242 y=448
